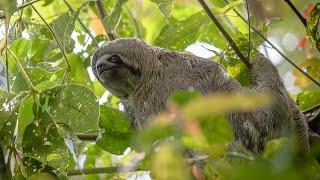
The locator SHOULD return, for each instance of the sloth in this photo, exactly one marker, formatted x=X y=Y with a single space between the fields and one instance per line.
x=144 y=76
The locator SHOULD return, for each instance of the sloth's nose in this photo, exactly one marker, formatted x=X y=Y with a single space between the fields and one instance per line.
x=101 y=66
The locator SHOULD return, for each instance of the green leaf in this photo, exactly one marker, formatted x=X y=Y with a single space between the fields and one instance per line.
x=177 y=35
x=116 y=131
x=313 y=26
x=165 y=6
x=181 y=97
x=8 y=6
x=78 y=72
x=112 y=21
x=73 y=105
x=7 y=129
x=36 y=75
x=20 y=48
x=42 y=141
x=63 y=26
x=308 y=99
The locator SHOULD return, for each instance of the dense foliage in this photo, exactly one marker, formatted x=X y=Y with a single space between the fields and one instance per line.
x=56 y=118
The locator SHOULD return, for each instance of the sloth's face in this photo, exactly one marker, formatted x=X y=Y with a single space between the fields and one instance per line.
x=115 y=74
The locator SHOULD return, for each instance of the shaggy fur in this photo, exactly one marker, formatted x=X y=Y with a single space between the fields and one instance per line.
x=163 y=71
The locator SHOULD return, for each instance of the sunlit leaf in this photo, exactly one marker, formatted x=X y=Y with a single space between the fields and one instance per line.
x=217 y=103
x=313 y=26
x=177 y=35
x=63 y=26
x=112 y=21
x=167 y=163
x=308 y=99
x=165 y=6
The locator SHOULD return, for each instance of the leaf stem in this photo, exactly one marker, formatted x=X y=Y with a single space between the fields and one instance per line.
x=56 y=39
x=225 y=34
x=135 y=23
x=27 y=4
x=82 y=24
x=102 y=16
x=275 y=48
x=6 y=29
x=295 y=10
x=24 y=73
x=249 y=30
x=102 y=170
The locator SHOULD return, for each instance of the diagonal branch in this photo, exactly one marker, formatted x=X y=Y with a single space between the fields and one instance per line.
x=55 y=38
x=24 y=73
x=295 y=10
x=102 y=16
x=225 y=33
x=82 y=24
x=275 y=48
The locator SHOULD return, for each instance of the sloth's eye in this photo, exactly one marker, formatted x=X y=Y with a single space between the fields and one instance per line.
x=115 y=59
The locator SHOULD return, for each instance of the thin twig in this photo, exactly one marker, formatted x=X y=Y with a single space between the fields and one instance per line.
x=27 y=4
x=102 y=16
x=311 y=109
x=24 y=73
x=82 y=24
x=135 y=23
x=56 y=39
x=249 y=30
x=6 y=35
x=2 y=164
x=275 y=48
x=225 y=34
x=196 y=159
x=296 y=11
x=102 y=170
x=87 y=137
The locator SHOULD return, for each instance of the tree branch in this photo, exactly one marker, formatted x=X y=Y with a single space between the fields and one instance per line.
x=102 y=16
x=225 y=34
x=249 y=30
x=3 y=169
x=6 y=36
x=102 y=170
x=27 y=4
x=82 y=24
x=311 y=109
x=275 y=48
x=295 y=10
x=24 y=73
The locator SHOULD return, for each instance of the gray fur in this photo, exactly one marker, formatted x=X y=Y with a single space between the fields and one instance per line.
x=163 y=71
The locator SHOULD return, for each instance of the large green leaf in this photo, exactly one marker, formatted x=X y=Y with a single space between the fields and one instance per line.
x=112 y=21
x=20 y=48
x=177 y=35
x=313 y=26
x=42 y=141
x=116 y=131
x=308 y=99
x=63 y=26
x=8 y=6
x=36 y=75
x=165 y=6
x=73 y=105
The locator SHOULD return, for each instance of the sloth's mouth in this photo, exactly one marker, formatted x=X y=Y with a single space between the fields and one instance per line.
x=103 y=69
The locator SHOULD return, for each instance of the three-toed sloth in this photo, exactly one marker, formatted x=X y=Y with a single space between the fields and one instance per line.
x=143 y=76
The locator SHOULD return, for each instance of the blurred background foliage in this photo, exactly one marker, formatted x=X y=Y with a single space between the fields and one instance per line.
x=52 y=108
